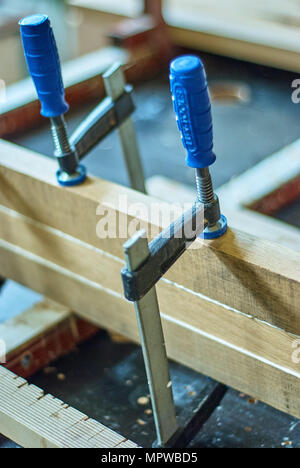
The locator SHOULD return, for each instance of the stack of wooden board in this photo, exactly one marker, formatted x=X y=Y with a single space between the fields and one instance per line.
x=242 y=322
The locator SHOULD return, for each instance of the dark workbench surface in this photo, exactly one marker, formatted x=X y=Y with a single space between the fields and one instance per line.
x=107 y=388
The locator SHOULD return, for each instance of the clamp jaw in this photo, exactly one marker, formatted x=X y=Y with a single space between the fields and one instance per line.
x=164 y=251
x=44 y=67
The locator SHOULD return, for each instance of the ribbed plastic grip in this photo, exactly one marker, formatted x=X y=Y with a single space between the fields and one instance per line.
x=193 y=110
x=43 y=64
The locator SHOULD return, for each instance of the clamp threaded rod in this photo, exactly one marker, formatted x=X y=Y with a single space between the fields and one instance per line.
x=64 y=152
x=204 y=185
x=60 y=135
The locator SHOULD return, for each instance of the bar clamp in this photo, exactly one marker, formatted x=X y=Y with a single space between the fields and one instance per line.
x=113 y=112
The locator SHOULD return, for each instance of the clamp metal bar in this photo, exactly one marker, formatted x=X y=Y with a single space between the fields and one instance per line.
x=115 y=83
x=145 y=265
x=142 y=260
x=164 y=250
x=107 y=116
x=153 y=345
x=208 y=400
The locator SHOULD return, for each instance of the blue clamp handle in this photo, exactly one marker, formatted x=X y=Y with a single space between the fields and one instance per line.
x=193 y=110
x=43 y=64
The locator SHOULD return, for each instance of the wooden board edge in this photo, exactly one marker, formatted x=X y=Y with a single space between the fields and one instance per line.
x=41 y=334
x=35 y=420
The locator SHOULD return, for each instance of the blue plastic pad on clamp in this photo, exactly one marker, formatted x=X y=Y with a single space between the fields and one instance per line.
x=43 y=64
x=191 y=102
x=71 y=180
x=216 y=231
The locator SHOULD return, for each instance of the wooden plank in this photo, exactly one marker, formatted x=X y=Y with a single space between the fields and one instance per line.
x=215 y=318
x=41 y=334
x=265 y=279
x=130 y=8
x=239 y=216
x=31 y=324
x=91 y=265
x=33 y=419
x=78 y=269
x=261 y=32
x=200 y=336
x=265 y=179
x=206 y=323
x=246 y=198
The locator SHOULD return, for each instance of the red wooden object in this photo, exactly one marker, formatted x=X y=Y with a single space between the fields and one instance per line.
x=32 y=357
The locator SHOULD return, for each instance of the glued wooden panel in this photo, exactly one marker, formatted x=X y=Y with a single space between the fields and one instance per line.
x=208 y=299
x=238 y=270
x=251 y=356
x=33 y=419
x=92 y=267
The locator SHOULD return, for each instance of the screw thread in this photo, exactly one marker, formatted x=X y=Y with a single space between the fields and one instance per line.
x=204 y=186
x=60 y=136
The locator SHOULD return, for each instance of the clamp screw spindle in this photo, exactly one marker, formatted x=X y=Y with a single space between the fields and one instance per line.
x=205 y=189
x=60 y=135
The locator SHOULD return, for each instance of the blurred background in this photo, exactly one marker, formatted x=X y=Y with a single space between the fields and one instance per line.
x=251 y=52
x=265 y=31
